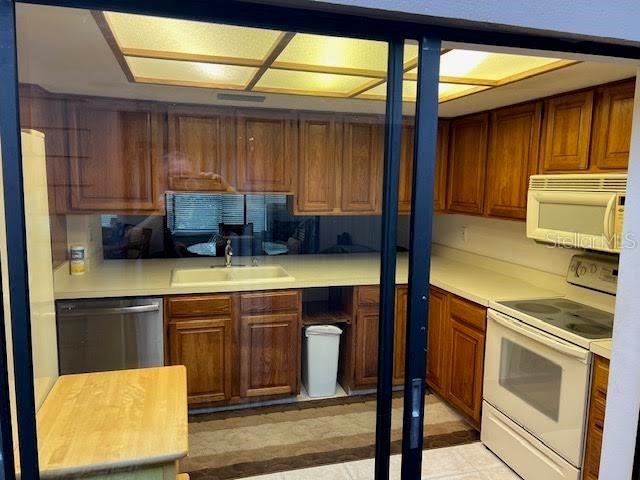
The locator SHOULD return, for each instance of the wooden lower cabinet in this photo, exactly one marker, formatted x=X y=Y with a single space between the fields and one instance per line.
x=235 y=346
x=366 y=347
x=466 y=365
x=595 y=421
x=269 y=355
x=204 y=347
x=437 y=337
x=455 y=352
x=360 y=344
x=200 y=336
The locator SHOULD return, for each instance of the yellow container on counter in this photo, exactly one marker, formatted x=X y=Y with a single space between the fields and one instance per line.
x=77 y=260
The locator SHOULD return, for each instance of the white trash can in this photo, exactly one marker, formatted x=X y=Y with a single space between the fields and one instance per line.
x=320 y=359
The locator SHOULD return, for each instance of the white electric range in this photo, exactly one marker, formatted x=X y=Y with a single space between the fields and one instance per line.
x=537 y=374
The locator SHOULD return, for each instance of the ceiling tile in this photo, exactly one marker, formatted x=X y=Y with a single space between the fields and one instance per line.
x=306 y=83
x=446 y=91
x=487 y=65
x=177 y=72
x=338 y=54
x=183 y=37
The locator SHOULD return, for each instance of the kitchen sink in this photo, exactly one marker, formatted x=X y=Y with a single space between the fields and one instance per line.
x=189 y=277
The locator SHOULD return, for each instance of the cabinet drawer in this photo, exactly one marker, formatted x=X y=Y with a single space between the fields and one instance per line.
x=469 y=313
x=199 y=305
x=600 y=377
x=369 y=295
x=270 y=302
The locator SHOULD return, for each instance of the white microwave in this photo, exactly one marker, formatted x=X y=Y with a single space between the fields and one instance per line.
x=581 y=210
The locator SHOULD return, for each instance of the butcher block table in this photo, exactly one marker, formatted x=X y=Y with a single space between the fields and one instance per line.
x=125 y=425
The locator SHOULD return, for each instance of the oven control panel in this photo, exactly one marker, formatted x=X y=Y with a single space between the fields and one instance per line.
x=594 y=271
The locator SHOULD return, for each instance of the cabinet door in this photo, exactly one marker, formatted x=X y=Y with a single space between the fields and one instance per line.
x=265 y=151
x=362 y=164
x=269 y=355
x=442 y=157
x=116 y=157
x=437 y=340
x=567 y=132
x=319 y=140
x=595 y=420
x=465 y=359
x=204 y=347
x=467 y=160
x=400 y=327
x=406 y=168
x=200 y=149
x=366 y=349
x=513 y=157
x=612 y=127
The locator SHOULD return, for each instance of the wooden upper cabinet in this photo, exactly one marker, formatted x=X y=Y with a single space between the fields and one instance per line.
x=269 y=354
x=116 y=150
x=513 y=157
x=319 y=139
x=361 y=171
x=442 y=156
x=437 y=340
x=567 y=132
x=200 y=149
x=467 y=161
x=612 y=127
x=266 y=151
x=406 y=167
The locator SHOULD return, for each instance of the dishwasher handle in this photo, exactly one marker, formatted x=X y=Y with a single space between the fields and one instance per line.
x=152 y=307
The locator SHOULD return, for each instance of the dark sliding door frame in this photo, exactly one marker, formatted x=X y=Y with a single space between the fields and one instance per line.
x=283 y=18
x=17 y=259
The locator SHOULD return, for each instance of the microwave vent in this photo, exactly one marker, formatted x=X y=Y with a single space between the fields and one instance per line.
x=580 y=183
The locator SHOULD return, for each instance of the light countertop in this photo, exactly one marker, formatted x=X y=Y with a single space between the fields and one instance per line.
x=119 y=278
x=602 y=348
x=111 y=420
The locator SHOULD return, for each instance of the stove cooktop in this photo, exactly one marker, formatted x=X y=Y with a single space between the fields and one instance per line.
x=573 y=317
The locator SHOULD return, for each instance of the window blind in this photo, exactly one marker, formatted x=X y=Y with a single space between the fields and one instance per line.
x=203 y=212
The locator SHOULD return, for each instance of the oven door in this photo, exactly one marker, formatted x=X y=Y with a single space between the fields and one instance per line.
x=539 y=381
x=573 y=219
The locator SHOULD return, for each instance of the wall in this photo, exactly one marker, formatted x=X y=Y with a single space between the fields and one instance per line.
x=86 y=230
x=623 y=395
x=501 y=239
x=611 y=21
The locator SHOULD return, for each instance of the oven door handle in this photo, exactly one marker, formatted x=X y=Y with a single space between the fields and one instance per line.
x=539 y=336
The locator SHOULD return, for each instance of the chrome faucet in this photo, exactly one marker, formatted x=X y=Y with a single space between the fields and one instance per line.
x=228 y=252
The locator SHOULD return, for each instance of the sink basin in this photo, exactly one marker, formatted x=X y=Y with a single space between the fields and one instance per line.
x=190 y=277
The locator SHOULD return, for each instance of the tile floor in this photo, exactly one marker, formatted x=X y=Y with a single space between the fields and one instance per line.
x=465 y=462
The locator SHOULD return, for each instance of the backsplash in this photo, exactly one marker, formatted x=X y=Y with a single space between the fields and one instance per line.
x=256 y=224
x=501 y=239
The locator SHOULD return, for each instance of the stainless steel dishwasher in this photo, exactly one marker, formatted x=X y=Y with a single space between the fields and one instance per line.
x=109 y=334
